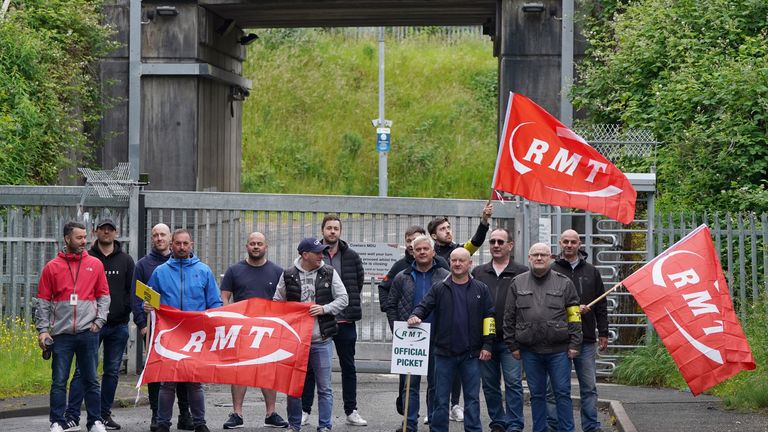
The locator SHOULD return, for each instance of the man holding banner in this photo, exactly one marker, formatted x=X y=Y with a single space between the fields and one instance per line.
x=309 y=280
x=187 y=284
x=463 y=330
x=253 y=277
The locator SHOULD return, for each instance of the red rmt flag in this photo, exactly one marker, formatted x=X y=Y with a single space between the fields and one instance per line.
x=256 y=342
x=541 y=159
x=684 y=294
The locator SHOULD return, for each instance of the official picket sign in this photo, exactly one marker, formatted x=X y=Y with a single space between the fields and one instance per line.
x=410 y=349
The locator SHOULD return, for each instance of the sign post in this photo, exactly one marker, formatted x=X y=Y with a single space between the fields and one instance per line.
x=410 y=355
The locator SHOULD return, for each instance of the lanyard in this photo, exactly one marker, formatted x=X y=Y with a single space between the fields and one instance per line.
x=77 y=275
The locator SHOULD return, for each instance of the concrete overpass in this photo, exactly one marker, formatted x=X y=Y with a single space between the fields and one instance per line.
x=184 y=119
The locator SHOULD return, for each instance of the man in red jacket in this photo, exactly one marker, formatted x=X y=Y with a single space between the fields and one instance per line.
x=73 y=302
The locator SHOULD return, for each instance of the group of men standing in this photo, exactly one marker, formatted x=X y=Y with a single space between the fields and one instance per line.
x=542 y=324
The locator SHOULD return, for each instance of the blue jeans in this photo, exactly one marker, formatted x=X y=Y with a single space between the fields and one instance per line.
x=84 y=347
x=557 y=367
x=114 y=339
x=502 y=363
x=320 y=355
x=167 y=395
x=446 y=368
x=344 y=341
x=585 y=368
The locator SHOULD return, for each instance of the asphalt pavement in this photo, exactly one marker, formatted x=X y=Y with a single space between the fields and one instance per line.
x=622 y=408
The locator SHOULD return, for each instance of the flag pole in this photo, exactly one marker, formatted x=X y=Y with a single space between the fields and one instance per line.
x=604 y=295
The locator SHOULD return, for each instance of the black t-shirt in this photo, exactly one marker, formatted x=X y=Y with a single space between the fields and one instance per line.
x=245 y=281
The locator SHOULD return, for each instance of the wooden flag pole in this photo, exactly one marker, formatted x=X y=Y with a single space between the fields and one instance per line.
x=405 y=402
x=604 y=295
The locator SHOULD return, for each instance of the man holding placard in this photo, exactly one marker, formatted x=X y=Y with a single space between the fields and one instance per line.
x=463 y=329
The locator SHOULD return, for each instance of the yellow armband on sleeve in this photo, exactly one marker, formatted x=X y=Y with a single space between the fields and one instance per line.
x=574 y=315
x=470 y=247
x=489 y=326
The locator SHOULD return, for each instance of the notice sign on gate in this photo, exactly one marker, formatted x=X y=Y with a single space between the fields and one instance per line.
x=410 y=349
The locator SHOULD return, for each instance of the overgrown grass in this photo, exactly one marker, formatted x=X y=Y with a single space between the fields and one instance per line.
x=24 y=370
x=653 y=366
x=307 y=124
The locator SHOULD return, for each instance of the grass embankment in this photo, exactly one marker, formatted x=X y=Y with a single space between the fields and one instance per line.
x=24 y=370
x=307 y=124
x=653 y=366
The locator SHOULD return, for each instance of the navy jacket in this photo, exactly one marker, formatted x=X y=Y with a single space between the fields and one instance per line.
x=439 y=301
x=142 y=271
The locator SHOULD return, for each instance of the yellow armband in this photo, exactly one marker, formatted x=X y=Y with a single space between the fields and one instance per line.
x=489 y=326
x=470 y=247
x=574 y=315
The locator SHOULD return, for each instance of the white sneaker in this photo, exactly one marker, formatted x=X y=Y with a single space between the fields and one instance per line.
x=354 y=419
x=457 y=413
x=304 y=418
x=97 y=426
x=55 y=427
x=426 y=420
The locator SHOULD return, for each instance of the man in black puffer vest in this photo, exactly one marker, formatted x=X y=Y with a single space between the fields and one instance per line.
x=348 y=265
x=311 y=281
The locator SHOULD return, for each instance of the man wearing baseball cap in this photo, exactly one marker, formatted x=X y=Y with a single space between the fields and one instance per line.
x=310 y=280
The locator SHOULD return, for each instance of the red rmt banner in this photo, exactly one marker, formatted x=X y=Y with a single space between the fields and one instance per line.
x=256 y=342
x=541 y=159
x=684 y=293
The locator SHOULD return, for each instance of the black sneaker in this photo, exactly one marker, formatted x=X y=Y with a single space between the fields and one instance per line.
x=110 y=424
x=202 y=428
x=153 y=426
x=185 y=422
x=235 y=421
x=275 y=421
x=162 y=429
x=71 y=425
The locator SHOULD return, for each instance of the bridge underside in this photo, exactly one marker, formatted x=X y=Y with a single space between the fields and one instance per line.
x=351 y=13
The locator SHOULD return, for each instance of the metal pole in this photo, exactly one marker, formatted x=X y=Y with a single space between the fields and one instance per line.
x=382 y=155
x=566 y=65
x=134 y=139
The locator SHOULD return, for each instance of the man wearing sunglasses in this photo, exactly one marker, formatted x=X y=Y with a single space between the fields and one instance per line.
x=506 y=413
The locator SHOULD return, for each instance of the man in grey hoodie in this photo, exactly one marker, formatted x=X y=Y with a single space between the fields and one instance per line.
x=309 y=280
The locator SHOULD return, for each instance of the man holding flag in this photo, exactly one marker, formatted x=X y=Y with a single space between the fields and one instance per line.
x=185 y=283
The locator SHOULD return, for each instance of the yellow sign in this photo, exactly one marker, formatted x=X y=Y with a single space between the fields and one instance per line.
x=146 y=293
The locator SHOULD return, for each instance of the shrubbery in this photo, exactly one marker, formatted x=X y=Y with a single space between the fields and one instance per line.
x=49 y=90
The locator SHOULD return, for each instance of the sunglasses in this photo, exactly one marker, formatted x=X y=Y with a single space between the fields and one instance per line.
x=496 y=242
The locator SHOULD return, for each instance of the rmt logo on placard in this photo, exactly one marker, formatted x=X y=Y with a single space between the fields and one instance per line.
x=411 y=334
x=250 y=340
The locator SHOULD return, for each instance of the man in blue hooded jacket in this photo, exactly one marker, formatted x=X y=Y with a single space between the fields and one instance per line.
x=184 y=282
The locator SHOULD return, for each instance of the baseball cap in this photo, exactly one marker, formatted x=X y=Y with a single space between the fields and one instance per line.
x=311 y=244
x=106 y=221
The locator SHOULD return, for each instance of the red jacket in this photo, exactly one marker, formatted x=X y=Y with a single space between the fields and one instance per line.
x=57 y=311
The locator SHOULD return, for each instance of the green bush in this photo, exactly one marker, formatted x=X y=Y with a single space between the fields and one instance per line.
x=695 y=73
x=49 y=89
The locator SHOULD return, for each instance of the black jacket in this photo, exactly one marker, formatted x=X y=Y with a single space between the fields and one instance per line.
x=400 y=301
x=403 y=263
x=118 y=266
x=498 y=286
x=353 y=277
x=439 y=301
x=589 y=285
x=472 y=245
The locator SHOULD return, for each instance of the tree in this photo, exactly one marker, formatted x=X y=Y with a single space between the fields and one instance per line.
x=695 y=72
x=50 y=94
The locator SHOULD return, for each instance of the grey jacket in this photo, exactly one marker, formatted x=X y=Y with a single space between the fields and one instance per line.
x=535 y=317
